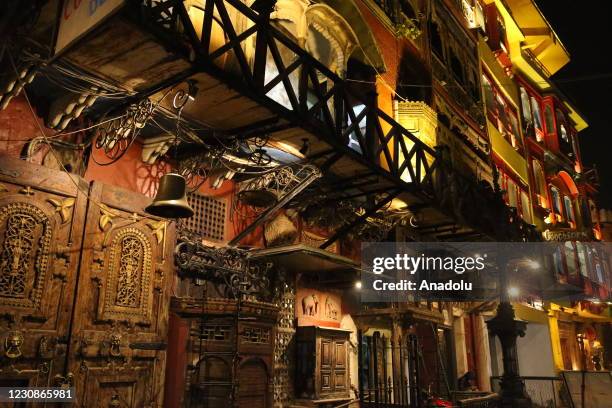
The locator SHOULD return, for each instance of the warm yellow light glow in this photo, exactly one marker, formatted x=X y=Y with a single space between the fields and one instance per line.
x=397 y=204
x=287 y=148
x=533 y=264
x=358 y=285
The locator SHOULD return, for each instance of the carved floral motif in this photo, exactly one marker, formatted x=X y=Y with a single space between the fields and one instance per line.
x=26 y=237
x=128 y=293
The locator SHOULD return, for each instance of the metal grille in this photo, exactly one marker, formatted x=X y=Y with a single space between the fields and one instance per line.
x=208 y=218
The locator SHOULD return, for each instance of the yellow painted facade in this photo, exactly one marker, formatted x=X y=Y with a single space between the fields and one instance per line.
x=499 y=144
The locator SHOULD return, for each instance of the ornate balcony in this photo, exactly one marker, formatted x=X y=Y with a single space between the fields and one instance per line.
x=254 y=80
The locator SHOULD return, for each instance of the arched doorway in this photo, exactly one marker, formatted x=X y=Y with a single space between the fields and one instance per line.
x=211 y=384
x=253 y=379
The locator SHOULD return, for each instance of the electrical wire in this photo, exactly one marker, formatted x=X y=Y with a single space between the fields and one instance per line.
x=64 y=133
x=54 y=153
x=59 y=73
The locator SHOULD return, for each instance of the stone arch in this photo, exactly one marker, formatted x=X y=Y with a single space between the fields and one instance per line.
x=211 y=381
x=368 y=52
x=330 y=38
x=290 y=16
x=569 y=183
x=254 y=378
x=340 y=20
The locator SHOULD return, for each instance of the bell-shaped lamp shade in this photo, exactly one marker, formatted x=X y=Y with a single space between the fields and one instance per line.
x=170 y=200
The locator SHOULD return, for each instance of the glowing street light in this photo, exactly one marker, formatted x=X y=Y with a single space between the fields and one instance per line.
x=513 y=291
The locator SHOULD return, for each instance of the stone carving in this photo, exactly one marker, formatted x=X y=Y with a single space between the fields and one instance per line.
x=331 y=309
x=310 y=305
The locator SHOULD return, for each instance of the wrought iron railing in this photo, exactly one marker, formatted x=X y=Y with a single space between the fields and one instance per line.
x=311 y=94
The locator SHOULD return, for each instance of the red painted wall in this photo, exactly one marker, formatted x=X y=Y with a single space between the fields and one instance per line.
x=17 y=126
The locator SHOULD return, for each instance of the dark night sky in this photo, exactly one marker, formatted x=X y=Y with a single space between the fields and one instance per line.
x=586 y=32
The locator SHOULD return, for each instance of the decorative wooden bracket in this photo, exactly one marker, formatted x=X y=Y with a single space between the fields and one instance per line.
x=63 y=207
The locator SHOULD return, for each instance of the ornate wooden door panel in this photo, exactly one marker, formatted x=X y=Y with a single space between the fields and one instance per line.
x=42 y=214
x=333 y=367
x=340 y=365
x=118 y=339
x=327 y=361
x=253 y=385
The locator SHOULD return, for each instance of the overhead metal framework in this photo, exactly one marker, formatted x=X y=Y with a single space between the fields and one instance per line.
x=351 y=140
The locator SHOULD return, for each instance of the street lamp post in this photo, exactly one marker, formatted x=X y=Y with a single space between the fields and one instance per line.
x=507 y=328
x=581 y=337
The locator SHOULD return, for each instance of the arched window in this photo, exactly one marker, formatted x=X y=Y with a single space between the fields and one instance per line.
x=489 y=96
x=537 y=118
x=569 y=209
x=525 y=204
x=436 y=40
x=561 y=126
x=550 y=121
x=456 y=67
x=407 y=9
x=582 y=258
x=324 y=33
x=211 y=382
x=540 y=183
x=570 y=258
x=556 y=200
x=512 y=192
x=526 y=111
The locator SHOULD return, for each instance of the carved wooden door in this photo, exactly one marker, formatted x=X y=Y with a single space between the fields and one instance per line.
x=42 y=214
x=84 y=288
x=333 y=368
x=117 y=356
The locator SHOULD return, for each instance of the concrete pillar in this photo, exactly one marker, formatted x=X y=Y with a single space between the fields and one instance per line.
x=460 y=350
x=483 y=354
x=555 y=342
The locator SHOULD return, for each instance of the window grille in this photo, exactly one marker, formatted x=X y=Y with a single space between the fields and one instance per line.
x=209 y=215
